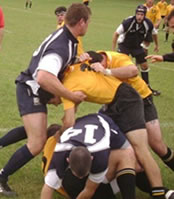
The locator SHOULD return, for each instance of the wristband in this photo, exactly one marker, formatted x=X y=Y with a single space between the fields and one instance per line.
x=107 y=72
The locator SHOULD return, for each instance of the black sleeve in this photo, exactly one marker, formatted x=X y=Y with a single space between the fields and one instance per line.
x=169 y=57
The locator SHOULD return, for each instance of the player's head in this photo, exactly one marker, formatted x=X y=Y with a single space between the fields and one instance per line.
x=149 y=3
x=77 y=16
x=59 y=10
x=60 y=13
x=170 y=20
x=172 y=2
x=99 y=56
x=95 y=57
x=80 y=161
x=140 y=13
x=52 y=129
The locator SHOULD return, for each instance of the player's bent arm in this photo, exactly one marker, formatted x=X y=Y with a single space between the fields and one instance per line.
x=125 y=72
x=88 y=190
x=114 y=40
x=155 y=39
x=47 y=192
x=157 y=23
x=155 y=58
x=50 y=82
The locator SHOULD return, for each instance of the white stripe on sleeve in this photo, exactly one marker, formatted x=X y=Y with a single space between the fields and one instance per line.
x=51 y=63
x=52 y=180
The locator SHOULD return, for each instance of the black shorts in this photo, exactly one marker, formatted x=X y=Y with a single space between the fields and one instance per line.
x=150 y=112
x=138 y=53
x=27 y=102
x=73 y=186
x=126 y=109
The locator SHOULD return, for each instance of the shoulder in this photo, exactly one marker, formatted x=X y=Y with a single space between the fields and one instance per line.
x=129 y=19
x=156 y=8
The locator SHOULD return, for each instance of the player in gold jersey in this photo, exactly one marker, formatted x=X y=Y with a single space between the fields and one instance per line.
x=170 y=7
x=162 y=5
x=152 y=123
x=153 y=13
x=125 y=108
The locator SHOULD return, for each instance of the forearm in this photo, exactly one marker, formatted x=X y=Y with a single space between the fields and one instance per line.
x=168 y=57
x=157 y=23
x=47 y=192
x=114 y=41
x=68 y=119
x=50 y=83
x=88 y=191
x=155 y=39
x=85 y=195
x=125 y=72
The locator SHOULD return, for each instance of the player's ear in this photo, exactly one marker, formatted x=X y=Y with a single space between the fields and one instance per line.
x=92 y=157
x=67 y=159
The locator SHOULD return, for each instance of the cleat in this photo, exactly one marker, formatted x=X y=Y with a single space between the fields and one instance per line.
x=5 y=189
x=169 y=194
x=155 y=92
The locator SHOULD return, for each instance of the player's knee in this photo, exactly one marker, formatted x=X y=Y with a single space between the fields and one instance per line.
x=36 y=146
x=144 y=67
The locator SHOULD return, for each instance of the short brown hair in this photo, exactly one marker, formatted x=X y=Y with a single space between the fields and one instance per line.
x=80 y=161
x=95 y=57
x=75 y=13
x=60 y=9
x=52 y=129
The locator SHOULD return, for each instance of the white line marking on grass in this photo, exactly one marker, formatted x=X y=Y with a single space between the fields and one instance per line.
x=28 y=11
x=164 y=68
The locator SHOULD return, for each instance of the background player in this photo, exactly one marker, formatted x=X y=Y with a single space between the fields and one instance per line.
x=162 y=5
x=130 y=35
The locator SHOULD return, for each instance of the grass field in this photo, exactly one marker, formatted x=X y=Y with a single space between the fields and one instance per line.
x=25 y=29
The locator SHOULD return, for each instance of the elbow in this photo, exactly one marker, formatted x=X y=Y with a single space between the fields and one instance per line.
x=39 y=78
x=134 y=71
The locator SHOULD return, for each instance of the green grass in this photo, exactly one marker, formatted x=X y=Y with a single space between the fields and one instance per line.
x=25 y=29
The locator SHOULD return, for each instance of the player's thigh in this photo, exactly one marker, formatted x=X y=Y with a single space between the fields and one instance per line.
x=127 y=109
